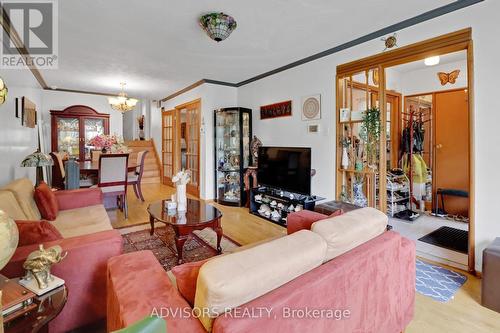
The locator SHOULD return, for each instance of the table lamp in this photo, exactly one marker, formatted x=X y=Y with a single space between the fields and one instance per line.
x=38 y=160
x=9 y=237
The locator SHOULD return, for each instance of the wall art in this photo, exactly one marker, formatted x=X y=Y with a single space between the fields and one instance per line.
x=311 y=107
x=282 y=109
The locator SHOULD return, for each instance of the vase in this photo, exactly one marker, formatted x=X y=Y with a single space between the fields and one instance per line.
x=345 y=158
x=104 y=150
x=359 y=197
x=181 y=197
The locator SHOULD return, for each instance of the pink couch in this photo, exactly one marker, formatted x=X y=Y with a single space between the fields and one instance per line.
x=84 y=268
x=375 y=282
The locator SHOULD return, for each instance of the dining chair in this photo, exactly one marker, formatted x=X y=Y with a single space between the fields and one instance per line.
x=135 y=178
x=58 y=172
x=112 y=178
x=94 y=154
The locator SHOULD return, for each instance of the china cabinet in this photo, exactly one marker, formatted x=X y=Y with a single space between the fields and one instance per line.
x=73 y=127
x=232 y=132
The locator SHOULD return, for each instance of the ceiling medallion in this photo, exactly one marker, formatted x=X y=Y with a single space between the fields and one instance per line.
x=121 y=102
x=218 y=26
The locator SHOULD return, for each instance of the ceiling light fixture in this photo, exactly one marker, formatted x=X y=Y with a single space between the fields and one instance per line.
x=218 y=26
x=122 y=103
x=432 y=61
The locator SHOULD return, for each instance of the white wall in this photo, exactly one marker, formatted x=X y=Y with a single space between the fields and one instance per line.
x=212 y=97
x=318 y=77
x=16 y=141
x=426 y=80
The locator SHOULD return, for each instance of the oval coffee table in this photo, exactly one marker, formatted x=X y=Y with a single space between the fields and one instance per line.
x=198 y=216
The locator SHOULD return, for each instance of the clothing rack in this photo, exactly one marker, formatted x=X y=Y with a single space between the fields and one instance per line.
x=411 y=119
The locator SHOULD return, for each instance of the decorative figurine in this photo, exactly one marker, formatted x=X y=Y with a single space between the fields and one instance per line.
x=39 y=262
x=254 y=148
x=390 y=41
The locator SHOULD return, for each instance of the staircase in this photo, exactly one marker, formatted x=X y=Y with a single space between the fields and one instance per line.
x=152 y=163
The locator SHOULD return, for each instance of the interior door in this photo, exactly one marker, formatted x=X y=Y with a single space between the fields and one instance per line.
x=190 y=116
x=168 y=146
x=451 y=168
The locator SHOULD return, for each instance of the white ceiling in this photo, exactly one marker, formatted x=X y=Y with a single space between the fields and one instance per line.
x=157 y=47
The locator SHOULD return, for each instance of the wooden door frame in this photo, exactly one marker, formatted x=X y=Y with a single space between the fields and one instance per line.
x=452 y=42
x=163 y=115
x=191 y=104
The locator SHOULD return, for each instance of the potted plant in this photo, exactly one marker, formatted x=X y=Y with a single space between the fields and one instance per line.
x=370 y=134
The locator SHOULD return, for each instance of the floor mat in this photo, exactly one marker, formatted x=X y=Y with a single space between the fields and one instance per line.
x=437 y=282
x=449 y=238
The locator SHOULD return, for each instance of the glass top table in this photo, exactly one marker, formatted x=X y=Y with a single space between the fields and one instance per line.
x=197 y=216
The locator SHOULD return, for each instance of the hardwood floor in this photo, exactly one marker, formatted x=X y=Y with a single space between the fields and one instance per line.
x=463 y=314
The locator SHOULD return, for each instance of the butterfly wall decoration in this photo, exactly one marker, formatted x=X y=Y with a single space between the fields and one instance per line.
x=448 y=77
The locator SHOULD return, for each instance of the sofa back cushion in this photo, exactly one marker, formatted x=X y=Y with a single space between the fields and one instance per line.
x=347 y=231
x=232 y=280
x=10 y=206
x=46 y=202
x=23 y=192
x=36 y=232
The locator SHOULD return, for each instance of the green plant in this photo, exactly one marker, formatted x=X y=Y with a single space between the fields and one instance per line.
x=370 y=134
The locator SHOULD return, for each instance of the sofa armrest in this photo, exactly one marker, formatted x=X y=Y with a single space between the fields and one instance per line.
x=83 y=270
x=302 y=220
x=71 y=199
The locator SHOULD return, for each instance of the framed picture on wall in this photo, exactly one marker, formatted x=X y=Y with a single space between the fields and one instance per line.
x=345 y=115
x=28 y=117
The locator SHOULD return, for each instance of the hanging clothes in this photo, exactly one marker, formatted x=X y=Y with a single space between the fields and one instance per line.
x=419 y=174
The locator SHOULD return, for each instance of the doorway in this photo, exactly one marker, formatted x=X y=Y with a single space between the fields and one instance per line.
x=442 y=195
x=434 y=155
x=181 y=143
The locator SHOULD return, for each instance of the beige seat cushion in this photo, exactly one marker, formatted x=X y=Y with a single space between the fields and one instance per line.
x=229 y=281
x=9 y=205
x=23 y=190
x=347 y=231
x=82 y=221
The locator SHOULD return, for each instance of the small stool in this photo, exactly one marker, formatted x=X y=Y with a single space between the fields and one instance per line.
x=490 y=286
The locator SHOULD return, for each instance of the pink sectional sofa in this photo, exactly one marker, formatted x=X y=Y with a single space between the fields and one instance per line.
x=89 y=240
x=374 y=283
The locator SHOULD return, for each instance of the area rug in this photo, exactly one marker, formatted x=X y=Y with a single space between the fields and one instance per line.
x=199 y=246
x=437 y=282
x=448 y=238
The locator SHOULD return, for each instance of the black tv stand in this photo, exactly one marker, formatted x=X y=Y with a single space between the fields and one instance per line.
x=279 y=203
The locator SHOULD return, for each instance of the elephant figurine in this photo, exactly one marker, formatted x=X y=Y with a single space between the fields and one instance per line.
x=39 y=262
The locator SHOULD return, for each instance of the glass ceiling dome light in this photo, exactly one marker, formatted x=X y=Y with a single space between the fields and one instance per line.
x=218 y=26
x=121 y=102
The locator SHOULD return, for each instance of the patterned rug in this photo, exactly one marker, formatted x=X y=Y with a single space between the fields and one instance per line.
x=437 y=282
x=199 y=246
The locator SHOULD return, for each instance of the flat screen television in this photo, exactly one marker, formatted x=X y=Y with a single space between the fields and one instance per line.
x=285 y=168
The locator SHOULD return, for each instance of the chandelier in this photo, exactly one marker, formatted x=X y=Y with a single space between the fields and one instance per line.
x=121 y=102
x=218 y=26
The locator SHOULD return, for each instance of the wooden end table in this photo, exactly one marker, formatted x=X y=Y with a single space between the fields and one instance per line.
x=48 y=307
x=198 y=216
